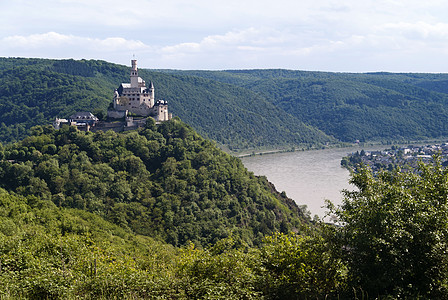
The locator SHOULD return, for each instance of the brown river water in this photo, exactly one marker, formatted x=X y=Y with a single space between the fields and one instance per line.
x=308 y=177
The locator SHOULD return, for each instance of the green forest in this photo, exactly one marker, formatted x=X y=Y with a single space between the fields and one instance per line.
x=163 y=181
x=239 y=109
x=36 y=91
x=162 y=213
x=380 y=107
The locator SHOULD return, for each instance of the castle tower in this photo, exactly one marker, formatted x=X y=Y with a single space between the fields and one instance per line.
x=151 y=93
x=161 y=109
x=134 y=74
x=137 y=98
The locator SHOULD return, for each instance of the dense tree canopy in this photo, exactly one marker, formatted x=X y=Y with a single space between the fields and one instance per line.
x=48 y=252
x=88 y=215
x=394 y=232
x=240 y=109
x=163 y=213
x=163 y=181
x=365 y=107
x=35 y=91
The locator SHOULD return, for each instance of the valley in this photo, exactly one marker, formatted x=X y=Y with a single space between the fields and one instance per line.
x=158 y=210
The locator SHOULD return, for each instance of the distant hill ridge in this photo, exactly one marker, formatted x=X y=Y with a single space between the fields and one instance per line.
x=38 y=90
x=351 y=106
x=240 y=109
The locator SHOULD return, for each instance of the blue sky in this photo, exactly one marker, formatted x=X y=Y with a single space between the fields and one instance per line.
x=318 y=35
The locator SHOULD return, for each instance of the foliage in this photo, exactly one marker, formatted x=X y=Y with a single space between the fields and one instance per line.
x=350 y=107
x=165 y=182
x=234 y=116
x=390 y=241
x=239 y=109
x=394 y=232
x=47 y=252
x=66 y=188
x=223 y=271
x=163 y=213
x=52 y=253
x=35 y=91
x=300 y=267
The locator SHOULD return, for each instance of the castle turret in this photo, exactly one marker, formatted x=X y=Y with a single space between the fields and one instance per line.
x=116 y=97
x=134 y=74
x=151 y=93
x=161 y=108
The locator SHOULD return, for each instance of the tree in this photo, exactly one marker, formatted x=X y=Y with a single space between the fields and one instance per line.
x=221 y=272
x=299 y=267
x=100 y=113
x=394 y=231
x=150 y=123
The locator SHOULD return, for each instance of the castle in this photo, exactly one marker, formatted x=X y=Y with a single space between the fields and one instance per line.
x=135 y=98
x=132 y=102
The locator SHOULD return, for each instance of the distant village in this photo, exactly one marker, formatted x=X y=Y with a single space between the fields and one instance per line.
x=132 y=104
x=402 y=156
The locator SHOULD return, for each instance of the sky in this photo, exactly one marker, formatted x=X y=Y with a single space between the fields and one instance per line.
x=314 y=35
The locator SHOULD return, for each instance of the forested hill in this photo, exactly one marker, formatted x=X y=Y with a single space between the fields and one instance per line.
x=371 y=106
x=72 y=204
x=35 y=91
x=165 y=182
x=240 y=109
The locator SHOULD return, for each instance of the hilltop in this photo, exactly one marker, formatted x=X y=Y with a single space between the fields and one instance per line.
x=163 y=213
x=163 y=181
x=349 y=106
x=239 y=109
x=35 y=91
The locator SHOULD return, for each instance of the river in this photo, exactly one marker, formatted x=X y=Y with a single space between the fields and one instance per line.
x=308 y=177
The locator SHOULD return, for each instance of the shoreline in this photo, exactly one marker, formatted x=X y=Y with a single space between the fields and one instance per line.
x=255 y=152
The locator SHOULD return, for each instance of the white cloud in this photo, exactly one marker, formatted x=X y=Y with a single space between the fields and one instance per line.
x=418 y=30
x=53 y=39
x=49 y=39
x=349 y=35
x=237 y=39
x=226 y=50
x=56 y=45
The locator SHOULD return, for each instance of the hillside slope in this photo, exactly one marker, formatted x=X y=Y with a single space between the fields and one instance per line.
x=374 y=106
x=37 y=90
x=165 y=182
x=240 y=109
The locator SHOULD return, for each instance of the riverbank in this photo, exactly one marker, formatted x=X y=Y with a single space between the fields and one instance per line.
x=267 y=151
x=404 y=157
x=311 y=177
x=261 y=151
